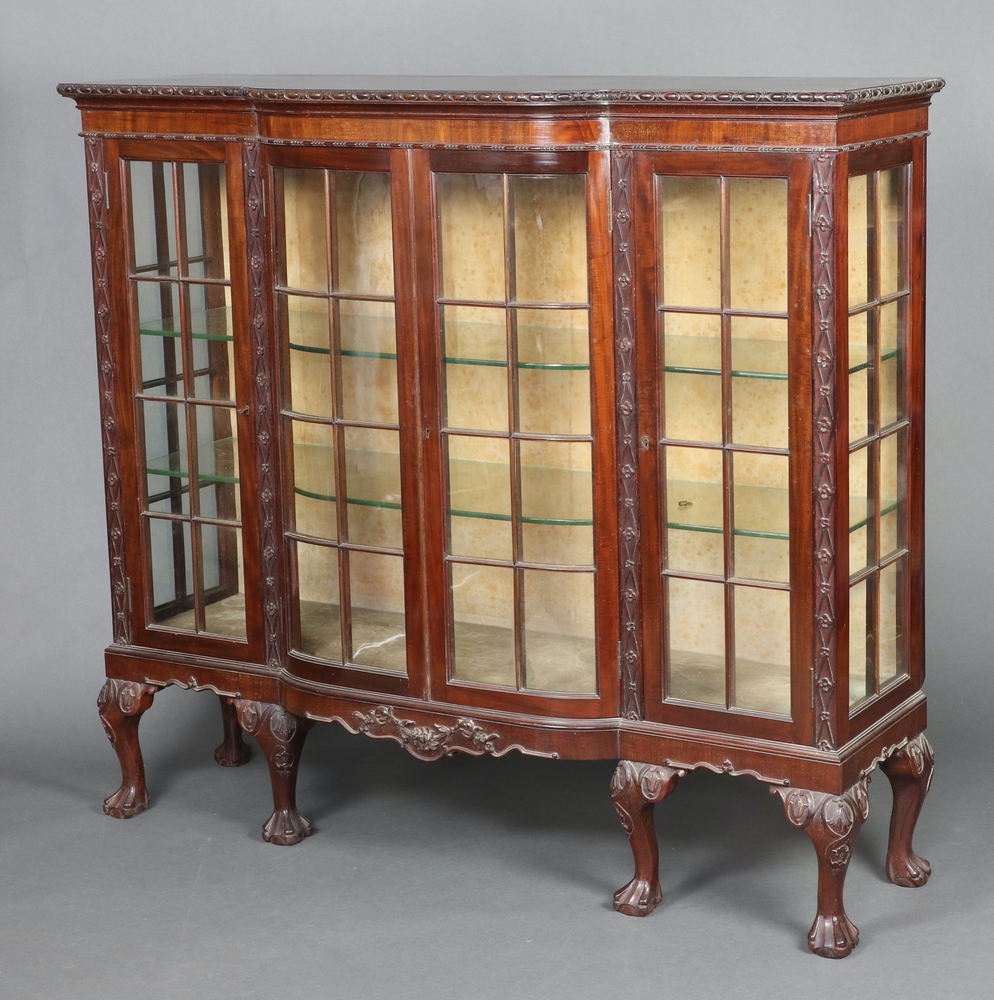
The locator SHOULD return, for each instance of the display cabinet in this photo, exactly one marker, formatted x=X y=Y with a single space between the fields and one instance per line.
x=576 y=417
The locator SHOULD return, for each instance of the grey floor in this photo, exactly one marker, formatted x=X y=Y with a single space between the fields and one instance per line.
x=468 y=877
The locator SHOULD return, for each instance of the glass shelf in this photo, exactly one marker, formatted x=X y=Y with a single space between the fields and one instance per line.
x=760 y=512
x=202 y=325
x=766 y=359
x=483 y=484
x=216 y=460
x=314 y=327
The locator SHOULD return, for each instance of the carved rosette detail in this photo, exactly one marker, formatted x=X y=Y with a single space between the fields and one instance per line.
x=265 y=431
x=823 y=269
x=428 y=742
x=628 y=448
x=96 y=182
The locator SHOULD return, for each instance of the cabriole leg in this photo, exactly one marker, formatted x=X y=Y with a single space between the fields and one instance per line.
x=234 y=751
x=280 y=736
x=909 y=771
x=121 y=705
x=635 y=789
x=833 y=823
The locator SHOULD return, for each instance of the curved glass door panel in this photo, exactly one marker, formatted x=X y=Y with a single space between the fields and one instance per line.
x=513 y=311
x=338 y=325
x=181 y=300
x=725 y=470
x=879 y=300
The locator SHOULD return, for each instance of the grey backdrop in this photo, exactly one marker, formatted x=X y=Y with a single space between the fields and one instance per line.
x=467 y=877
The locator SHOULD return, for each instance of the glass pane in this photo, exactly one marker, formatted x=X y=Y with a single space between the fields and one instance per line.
x=304 y=260
x=217 y=446
x=690 y=240
x=471 y=236
x=892 y=362
x=314 y=491
x=206 y=220
x=892 y=493
x=160 y=337
x=859 y=377
x=559 y=632
x=369 y=361
x=308 y=331
x=475 y=346
x=859 y=256
x=166 y=460
x=211 y=331
x=692 y=388
x=695 y=539
x=759 y=382
x=893 y=657
x=861 y=548
x=376 y=583
x=319 y=601
x=363 y=233
x=479 y=479
x=762 y=650
x=556 y=502
x=553 y=371
x=860 y=648
x=696 y=648
x=171 y=562
x=549 y=222
x=372 y=475
x=153 y=218
x=221 y=552
x=757 y=217
x=761 y=511
x=483 y=624
x=893 y=229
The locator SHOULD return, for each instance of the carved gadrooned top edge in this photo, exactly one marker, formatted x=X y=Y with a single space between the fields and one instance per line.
x=867 y=95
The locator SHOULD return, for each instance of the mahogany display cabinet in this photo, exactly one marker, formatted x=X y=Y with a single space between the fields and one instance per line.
x=577 y=417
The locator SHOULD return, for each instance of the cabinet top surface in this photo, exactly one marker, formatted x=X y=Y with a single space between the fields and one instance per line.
x=766 y=91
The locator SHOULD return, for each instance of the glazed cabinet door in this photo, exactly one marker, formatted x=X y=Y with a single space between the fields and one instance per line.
x=513 y=256
x=350 y=426
x=183 y=335
x=725 y=394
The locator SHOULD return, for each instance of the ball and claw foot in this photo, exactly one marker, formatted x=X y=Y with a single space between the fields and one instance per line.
x=126 y=802
x=833 y=936
x=635 y=789
x=234 y=751
x=638 y=899
x=286 y=827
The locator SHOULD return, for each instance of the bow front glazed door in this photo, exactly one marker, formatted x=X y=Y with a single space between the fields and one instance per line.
x=450 y=514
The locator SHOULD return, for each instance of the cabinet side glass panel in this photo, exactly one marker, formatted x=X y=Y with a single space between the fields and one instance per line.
x=722 y=315
x=335 y=295
x=513 y=315
x=181 y=307
x=879 y=298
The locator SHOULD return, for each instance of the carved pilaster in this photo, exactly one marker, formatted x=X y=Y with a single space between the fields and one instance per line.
x=635 y=789
x=628 y=453
x=121 y=705
x=280 y=735
x=833 y=823
x=825 y=413
x=909 y=771
x=265 y=421
x=96 y=182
